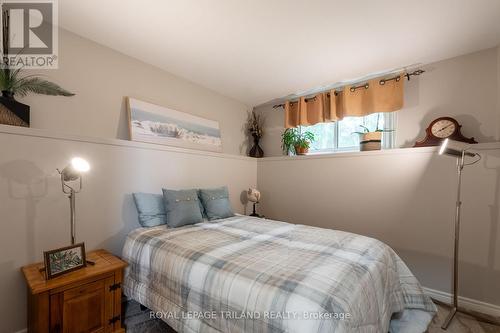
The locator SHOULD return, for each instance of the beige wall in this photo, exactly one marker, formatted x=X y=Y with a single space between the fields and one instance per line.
x=498 y=88
x=405 y=198
x=464 y=87
x=101 y=77
x=35 y=213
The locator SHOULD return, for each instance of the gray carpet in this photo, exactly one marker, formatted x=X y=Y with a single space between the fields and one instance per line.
x=139 y=321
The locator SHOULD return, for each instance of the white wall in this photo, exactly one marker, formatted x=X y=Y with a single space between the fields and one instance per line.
x=404 y=197
x=35 y=213
x=102 y=77
x=465 y=87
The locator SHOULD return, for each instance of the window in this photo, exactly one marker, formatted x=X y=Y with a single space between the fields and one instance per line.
x=340 y=136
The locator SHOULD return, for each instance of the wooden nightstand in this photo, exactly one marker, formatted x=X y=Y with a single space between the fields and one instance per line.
x=86 y=300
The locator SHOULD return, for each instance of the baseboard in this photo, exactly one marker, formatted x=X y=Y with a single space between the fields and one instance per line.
x=466 y=303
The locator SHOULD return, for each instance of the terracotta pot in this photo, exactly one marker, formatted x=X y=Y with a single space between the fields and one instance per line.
x=300 y=150
x=370 y=141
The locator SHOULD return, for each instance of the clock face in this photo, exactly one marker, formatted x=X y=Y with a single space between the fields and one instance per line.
x=443 y=128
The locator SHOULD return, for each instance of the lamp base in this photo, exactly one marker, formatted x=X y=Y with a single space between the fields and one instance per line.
x=254 y=213
x=448 y=319
x=453 y=311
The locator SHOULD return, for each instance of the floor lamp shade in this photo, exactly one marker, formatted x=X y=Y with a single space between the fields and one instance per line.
x=455 y=148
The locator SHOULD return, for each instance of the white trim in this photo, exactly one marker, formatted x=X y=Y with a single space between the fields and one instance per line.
x=395 y=151
x=41 y=133
x=466 y=303
x=388 y=138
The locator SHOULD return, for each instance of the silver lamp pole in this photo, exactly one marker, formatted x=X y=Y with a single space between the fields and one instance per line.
x=460 y=151
x=71 y=192
x=69 y=176
x=453 y=311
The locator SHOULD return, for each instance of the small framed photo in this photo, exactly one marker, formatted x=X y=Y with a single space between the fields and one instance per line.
x=64 y=260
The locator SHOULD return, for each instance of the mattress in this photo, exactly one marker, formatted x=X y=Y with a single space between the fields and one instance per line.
x=245 y=274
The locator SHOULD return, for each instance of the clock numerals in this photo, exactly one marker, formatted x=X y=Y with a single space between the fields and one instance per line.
x=443 y=129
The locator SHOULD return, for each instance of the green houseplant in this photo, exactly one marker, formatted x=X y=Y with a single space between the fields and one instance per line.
x=14 y=83
x=293 y=141
x=371 y=140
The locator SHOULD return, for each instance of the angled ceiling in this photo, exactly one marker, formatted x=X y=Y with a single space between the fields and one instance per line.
x=258 y=50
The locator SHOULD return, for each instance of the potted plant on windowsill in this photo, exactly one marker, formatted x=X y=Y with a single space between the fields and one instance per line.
x=370 y=140
x=293 y=141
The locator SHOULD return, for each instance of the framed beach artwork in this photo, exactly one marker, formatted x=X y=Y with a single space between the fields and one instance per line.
x=157 y=124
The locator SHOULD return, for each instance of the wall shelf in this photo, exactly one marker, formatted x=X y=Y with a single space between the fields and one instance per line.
x=42 y=133
x=395 y=151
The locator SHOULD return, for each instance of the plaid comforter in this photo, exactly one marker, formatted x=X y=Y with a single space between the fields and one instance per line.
x=245 y=274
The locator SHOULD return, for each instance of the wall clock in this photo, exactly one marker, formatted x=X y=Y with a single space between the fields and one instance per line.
x=440 y=129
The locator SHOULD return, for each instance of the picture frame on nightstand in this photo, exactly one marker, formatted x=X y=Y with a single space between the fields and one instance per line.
x=64 y=260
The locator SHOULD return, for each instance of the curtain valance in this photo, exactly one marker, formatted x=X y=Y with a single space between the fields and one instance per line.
x=374 y=96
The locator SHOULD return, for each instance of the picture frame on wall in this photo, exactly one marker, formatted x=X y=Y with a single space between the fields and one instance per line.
x=161 y=125
x=64 y=260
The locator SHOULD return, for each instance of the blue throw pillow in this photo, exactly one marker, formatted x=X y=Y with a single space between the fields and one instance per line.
x=216 y=203
x=182 y=207
x=151 y=209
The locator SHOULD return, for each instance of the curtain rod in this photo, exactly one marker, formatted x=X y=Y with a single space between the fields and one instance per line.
x=365 y=85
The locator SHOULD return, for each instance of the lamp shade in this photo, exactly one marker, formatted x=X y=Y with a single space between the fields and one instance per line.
x=74 y=170
x=455 y=148
x=253 y=195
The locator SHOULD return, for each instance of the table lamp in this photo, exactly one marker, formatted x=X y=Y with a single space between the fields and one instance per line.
x=253 y=195
x=71 y=181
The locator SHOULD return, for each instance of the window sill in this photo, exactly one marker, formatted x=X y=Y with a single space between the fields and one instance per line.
x=394 y=151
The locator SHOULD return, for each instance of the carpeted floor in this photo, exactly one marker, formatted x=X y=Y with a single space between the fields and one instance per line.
x=138 y=321
x=462 y=323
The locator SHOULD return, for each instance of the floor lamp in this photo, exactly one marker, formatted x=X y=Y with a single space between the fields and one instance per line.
x=71 y=181
x=459 y=150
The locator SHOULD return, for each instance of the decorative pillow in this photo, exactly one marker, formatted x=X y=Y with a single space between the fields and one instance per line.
x=182 y=207
x=216 y=203
x=202 y=209
x=151 y=209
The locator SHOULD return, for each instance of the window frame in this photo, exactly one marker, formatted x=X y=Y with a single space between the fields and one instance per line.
x=388 y=138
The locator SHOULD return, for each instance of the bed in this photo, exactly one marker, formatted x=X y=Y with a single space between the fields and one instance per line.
x=246 y=274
